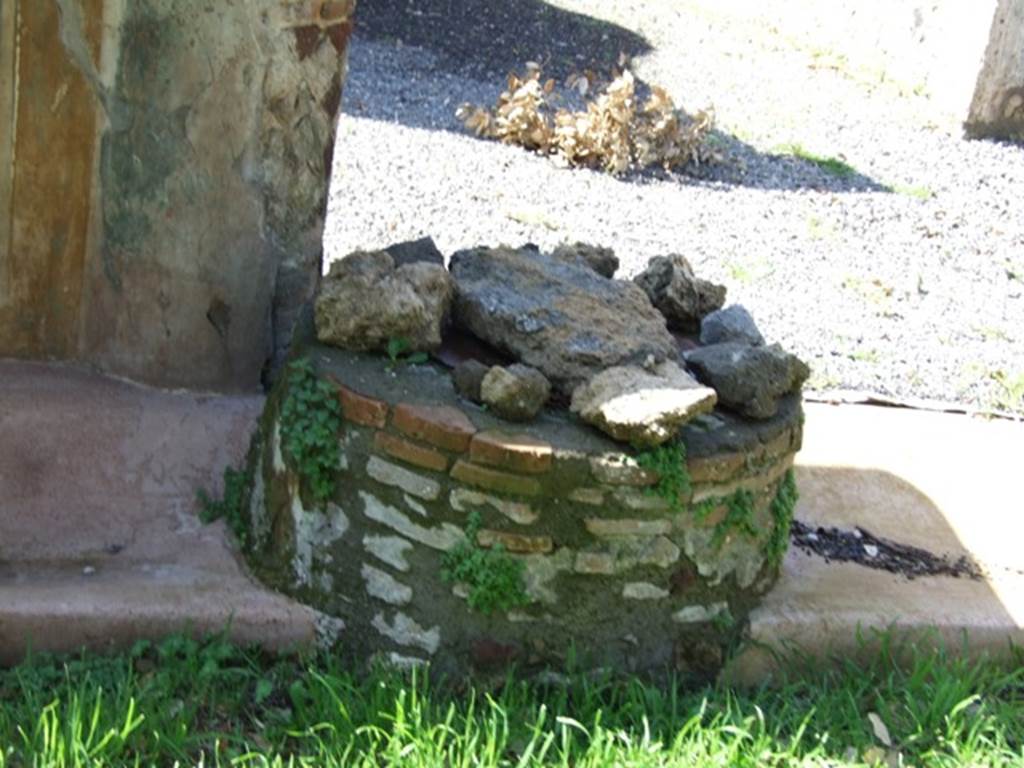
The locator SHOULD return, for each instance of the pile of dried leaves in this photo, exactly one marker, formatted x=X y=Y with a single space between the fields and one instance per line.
x=614 y=133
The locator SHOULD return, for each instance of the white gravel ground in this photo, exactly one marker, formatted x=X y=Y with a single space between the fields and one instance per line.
x=905 y=280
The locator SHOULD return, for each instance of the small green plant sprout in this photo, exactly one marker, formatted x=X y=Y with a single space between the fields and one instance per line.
x=723 y=621
x=310 y=420
x=782 y=508
x=668 y=462
x=398 y=352
x=1011 y=391
x=232 y=506
x=495 y=579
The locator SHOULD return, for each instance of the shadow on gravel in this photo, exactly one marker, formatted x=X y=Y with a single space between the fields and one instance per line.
x=788 y=169
x=485 y=40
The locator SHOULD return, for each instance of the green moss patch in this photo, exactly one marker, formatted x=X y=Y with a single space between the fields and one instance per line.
x=495 y=579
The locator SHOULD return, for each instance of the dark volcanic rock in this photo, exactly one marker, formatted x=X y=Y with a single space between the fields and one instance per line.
x=467 y=377
x=559 y=317
x=682 y=297
x=412 y=251
x=601 y=260
x=748 y=379
x=734 y=323
x=516 y=393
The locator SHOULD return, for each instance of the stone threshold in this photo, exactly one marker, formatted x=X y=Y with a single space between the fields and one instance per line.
x=63 y=608
x=942 y=482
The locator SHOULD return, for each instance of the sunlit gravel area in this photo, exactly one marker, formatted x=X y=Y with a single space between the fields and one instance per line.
x=904 y=278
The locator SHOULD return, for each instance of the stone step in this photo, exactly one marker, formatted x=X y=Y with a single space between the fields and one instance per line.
x=100 y=544
x=63 y=608
x=945 y=483
x=94 y=467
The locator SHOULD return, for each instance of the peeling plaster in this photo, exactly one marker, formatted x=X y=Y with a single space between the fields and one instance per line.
x=72 y=37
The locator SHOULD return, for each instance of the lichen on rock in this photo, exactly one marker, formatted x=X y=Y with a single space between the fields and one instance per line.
x=366 y=302
x=516 y=392
x=642 y=407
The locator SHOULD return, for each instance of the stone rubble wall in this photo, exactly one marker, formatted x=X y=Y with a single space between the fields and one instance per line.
x=610 y=569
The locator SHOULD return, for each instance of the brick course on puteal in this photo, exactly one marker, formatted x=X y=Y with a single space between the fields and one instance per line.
x=517 y=453
x=441 y=426
x=359 y=408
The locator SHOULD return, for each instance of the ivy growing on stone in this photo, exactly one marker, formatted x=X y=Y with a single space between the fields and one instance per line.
x=232 y=506
x=398 y=352
x=310 y=420
x=495 y=579
x=782 y=509
x=668 y=462
x=739 y=516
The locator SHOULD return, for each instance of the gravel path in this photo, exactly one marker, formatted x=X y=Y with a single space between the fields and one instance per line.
x=905 y=279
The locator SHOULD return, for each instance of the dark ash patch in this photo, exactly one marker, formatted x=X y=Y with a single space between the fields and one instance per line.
x=861 y=547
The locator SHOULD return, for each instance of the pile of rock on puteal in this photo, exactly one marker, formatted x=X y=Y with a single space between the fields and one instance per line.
x=636 y=359
x=619 y=522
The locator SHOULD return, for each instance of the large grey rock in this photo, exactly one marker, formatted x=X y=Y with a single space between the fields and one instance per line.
x=559 y=317
x=601 y=260
x=516 y=393
x=748 y=379
x=734 y=323
x=639 y=406
x=682 y=297
x=365 y=301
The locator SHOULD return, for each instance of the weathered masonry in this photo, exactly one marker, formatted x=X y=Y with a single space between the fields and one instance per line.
x=164 y=168
x=572 y=547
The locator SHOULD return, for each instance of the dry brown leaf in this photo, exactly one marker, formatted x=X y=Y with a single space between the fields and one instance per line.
x=612 y=133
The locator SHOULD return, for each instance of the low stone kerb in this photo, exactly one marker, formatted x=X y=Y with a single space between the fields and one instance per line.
x=516 y=542
x=621 y=470
x=519 y=453
x=716 y=469
x=399 y=477
x=625 y=527
x=595 y=563
x=495 y=480
x=410 y=452
x=440 y=425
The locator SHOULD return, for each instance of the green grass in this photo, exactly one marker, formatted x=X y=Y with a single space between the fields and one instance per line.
x=920 y=192
x=832 y=165
x=187 y=703
x=1010 y=393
